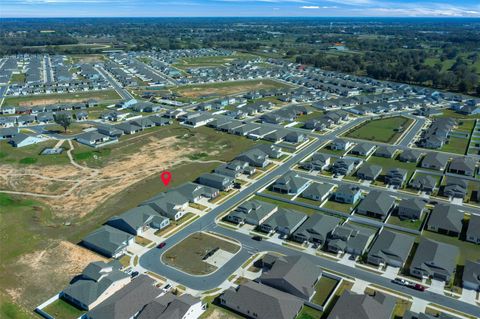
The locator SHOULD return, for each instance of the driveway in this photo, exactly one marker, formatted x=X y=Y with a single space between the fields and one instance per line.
x=437 y=286
x=469 y=296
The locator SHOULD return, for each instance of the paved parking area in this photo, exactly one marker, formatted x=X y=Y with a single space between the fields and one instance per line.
x=437 y=286
x=469 y=296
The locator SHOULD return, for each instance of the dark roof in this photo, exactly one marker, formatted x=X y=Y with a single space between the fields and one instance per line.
x=351 y=305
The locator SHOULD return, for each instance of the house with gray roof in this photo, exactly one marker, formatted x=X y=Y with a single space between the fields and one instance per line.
x=284 y=221
x=170 y=306
x=8 y=132
x=171 y=204
x=396 y=177
x=385 y=151
x=471 y=275
x=348 y=238
x=434 y=260
x=363 y=149
x=254 y=157
x=295 y=275
x=424 y=183
x=261 y=301
x=317 y=162
x=351 y=305
x=137 y=220
x=434 y=160
x=21 y=140
x=128 y=301
x=343 y=166
x=348 y=194
x=390 y=248
x=410 y=156
x=271 y=150
x=463 y=166
x=473 y=230
x=411 y=208
x=455 y=187
x=340 y=144
x=221 y=182
x=446 y=219
x=253 y=212
x=108 y=241
x=93 y=138
x=316 y=229
x=318 y=191
x=376 y=204
x=129 y=128
x=369 y=172
x=290 y=183
x=97 y=281
x=412 y=315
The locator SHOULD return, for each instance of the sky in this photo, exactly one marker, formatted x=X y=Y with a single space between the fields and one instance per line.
x=239 y=8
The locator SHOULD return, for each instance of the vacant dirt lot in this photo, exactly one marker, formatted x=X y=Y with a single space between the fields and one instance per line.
x=228 y=88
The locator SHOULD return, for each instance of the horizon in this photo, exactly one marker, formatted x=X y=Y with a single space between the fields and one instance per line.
x=239 y=8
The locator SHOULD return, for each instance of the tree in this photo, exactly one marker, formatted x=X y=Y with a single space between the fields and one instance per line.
x=63 y=120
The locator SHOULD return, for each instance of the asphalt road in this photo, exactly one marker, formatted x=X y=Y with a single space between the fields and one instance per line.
x=152 y=259
x=120 y=90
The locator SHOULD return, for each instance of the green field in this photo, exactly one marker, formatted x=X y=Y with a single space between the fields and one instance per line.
x=61 y=309
x=210 y=61
x=31 y=154
x=44 y=99
x=18 y=78
x=456 y=145
x=323 y=289
x=386 y=130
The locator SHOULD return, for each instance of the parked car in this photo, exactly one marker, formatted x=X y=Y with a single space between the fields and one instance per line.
x=257 y=238
x=400 y=281
x=161 y=245
x=237 y=185
x=167 y=288
x=417 y=287
x=134 y=274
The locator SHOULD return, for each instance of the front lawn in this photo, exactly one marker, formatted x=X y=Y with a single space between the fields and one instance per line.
x=61 y=309
x=385 y=130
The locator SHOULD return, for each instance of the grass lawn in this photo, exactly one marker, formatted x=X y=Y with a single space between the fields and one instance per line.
x=142 y=241
x=407 y=223
x=74 y=128
x=61 y=309
x=345 y=285
x=456 y=145
x=31 y=154
x=309 y=313
x=108 y=95
x=291 y=206
x=210 y=61
x=125 y=260
x=323 y=289
x=341 y=207
x=197 y=206
x=269 y=192
x=187 y=255
x=18 y=78
x=9 y=310
x=383 y=130
x=455 y=115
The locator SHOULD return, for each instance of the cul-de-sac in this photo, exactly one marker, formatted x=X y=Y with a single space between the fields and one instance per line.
x=238 y=175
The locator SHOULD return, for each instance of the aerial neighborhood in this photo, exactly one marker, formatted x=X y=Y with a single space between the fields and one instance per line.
x=295 y=192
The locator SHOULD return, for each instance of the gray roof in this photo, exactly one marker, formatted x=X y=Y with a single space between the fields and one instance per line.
x=128 y=301
x=370 y=170
x=96 y=278
x=262 y=300
x=446 y=217
x=285 y=218
x=435 y=159
x=390 y=245
x=351 y=305
x=290 y=181
x=108 y=239
x=412 y=203
x=463 y=164
x=471 y=272
x=317 y=226
x=133 y=218
x=474 y=226
x=377 y=202
x=317 y=189
x=168 y=306
x=296 y=275
x=432 y=256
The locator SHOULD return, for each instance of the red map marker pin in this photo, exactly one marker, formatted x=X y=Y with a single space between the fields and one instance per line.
x=166 y=177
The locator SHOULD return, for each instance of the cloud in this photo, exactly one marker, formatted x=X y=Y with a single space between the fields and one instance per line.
x=309 y=7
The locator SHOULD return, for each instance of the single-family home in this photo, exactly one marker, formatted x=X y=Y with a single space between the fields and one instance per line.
x=424 y=183
x=396 y=177
x=363 y=149
x=283 y=222
x=350 y=239
x=221 y=182
x=97 y=282
x=172 y=306
x=295 y=275
x=92 y=138
x=348 y=194
x=411 y=208
x=316 y=229
x=455 y=187
x=260 y=301
x=252 y=212
x=385 y=151
x=108 y=241
x=22 y=139
x=369 y=172
x=446 y=219
x=318 y=162
x=318 y=191
x=463 y=166
x=434 y=260
x=471 y=275
x=290 y=183
x=473 y=230
x=376 y=204
x=137 y=220
x=390 y=248
x=410 y=156
x=351 y=305
x=340 y=144
x=434 y=160
x=343 y=166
